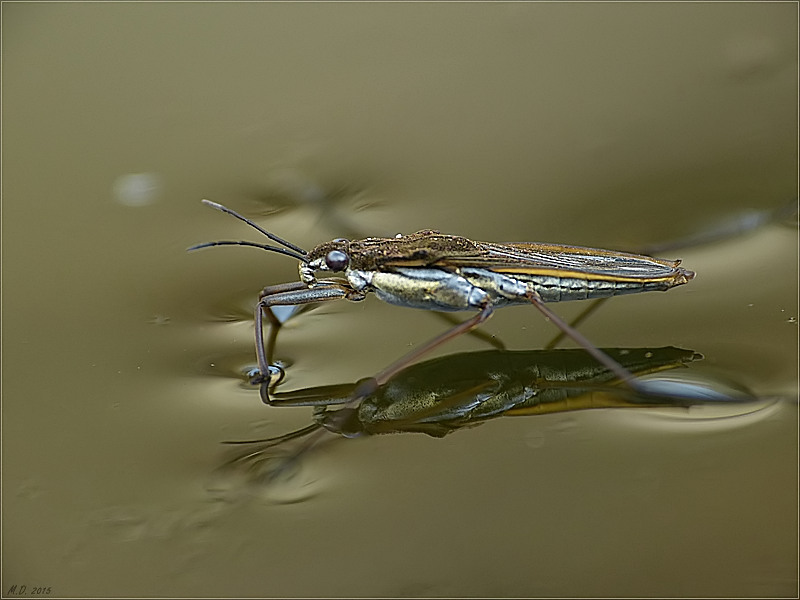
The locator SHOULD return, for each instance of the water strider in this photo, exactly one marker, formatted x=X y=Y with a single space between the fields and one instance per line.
x=436 y=271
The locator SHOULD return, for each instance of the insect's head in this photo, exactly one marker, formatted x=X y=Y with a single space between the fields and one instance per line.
x=333 y=257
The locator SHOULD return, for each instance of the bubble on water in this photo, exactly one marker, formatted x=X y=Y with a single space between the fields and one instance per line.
x=137 y=189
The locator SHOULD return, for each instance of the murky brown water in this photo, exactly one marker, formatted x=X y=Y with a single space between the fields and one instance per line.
x=608 y=125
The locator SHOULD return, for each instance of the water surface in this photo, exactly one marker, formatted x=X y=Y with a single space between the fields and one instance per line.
x=605 y=125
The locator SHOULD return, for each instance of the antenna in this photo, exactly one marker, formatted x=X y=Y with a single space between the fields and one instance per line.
x=300 y=257
x=270 y=235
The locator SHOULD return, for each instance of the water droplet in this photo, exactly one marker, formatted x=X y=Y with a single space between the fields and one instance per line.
x=137 y=189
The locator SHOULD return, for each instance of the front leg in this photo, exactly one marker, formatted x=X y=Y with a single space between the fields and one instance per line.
x=291 y=294
x=276 y=322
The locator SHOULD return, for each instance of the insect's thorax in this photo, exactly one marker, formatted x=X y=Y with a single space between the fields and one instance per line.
x=432 y=289
x=420 y=249
x=399 y=270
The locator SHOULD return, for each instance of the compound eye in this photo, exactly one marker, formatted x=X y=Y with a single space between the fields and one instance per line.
x=336 y=260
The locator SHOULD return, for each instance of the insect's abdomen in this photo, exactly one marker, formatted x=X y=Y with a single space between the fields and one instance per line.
x=511 y=288
x=561 y=289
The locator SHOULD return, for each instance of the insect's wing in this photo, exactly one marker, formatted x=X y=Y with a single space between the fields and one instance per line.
x=565 y=261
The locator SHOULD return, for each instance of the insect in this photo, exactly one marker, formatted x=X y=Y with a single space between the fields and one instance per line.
x=436 y=271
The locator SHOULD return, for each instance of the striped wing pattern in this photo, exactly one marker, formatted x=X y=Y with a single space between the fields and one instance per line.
x=567 y=261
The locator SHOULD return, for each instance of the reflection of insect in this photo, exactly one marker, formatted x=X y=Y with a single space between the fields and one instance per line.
x=458 y=390
x=441 y=272
x=445 y=394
